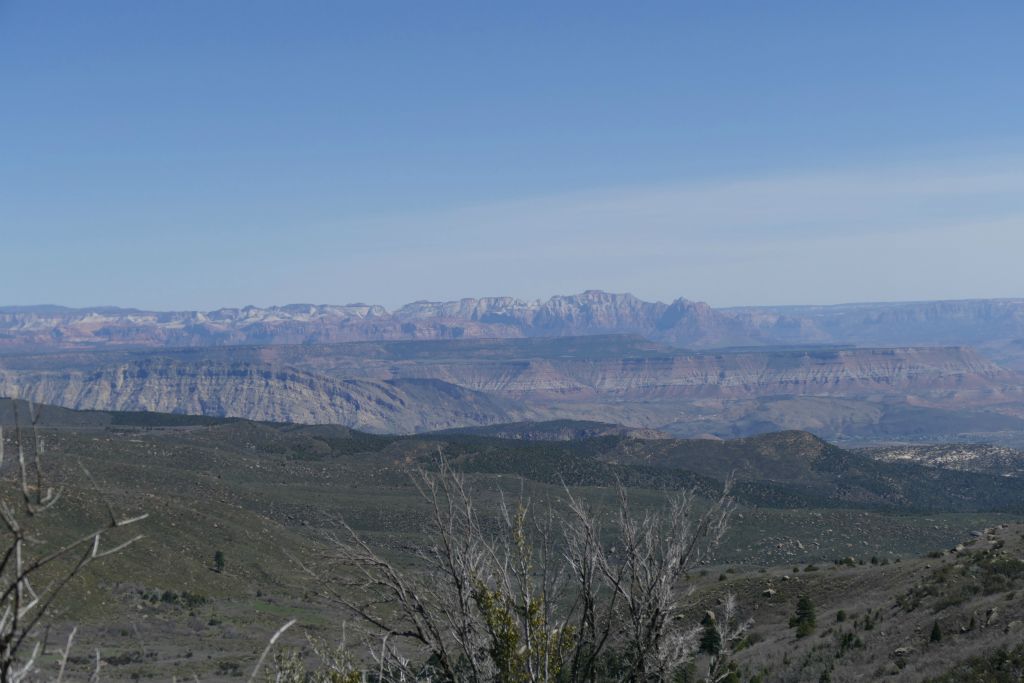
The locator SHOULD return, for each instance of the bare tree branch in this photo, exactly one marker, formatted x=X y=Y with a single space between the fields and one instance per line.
x=22 y=607
x=268 y=648
x=543 y=596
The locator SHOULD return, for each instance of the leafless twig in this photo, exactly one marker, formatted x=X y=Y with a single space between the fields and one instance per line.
x=268 y=648
x=543 y=596
x=22 y=605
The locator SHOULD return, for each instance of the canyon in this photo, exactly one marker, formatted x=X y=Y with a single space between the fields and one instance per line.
x=843 y=393
x=858 y=373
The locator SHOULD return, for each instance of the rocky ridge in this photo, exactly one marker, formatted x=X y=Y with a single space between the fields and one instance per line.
x=996 y=324
x=421 y=386
x=263 y=392
x=964 y=457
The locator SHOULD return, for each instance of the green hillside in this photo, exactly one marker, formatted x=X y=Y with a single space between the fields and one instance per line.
x=268 y=496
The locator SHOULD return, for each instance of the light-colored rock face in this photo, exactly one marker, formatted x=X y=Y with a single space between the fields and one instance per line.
x=416 y=386
x=499 y=359
x=683 y=323
x=964 y=457
x=940 y=373
x=263 y=392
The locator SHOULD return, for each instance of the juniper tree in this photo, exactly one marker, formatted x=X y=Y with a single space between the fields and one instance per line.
x=711 y=639
x=804 y=619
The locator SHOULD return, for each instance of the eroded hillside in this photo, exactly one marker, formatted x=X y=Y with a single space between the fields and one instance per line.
x=839 y=393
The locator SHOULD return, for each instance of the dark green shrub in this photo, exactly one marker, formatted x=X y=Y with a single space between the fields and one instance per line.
x=804 y=619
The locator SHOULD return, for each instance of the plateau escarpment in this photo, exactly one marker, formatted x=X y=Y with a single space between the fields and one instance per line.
x=942 y=373
x=416 y=386
x=263 y=392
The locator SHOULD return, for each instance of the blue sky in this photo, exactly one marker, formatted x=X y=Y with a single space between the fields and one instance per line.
x=196 y=154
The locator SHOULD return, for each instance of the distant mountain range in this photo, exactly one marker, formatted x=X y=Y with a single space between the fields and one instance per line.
x=858 y=373
x=994 y=325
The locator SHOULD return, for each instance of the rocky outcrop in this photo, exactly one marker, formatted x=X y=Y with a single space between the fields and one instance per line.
x=943 y=373
x=964 y=457
x=415 y=386
x=995 y=323
x=263 y=392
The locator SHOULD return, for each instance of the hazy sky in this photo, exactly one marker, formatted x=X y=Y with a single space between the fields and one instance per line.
x=198 y=154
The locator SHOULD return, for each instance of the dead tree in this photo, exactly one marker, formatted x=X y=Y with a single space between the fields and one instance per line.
x=537 y=596
x=729 y=630
x=33 y=573
x=630 y=592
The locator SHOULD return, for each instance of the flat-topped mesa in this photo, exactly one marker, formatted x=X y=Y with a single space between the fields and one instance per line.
x=264 y=392
x=412 y=386
x=943 y=371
